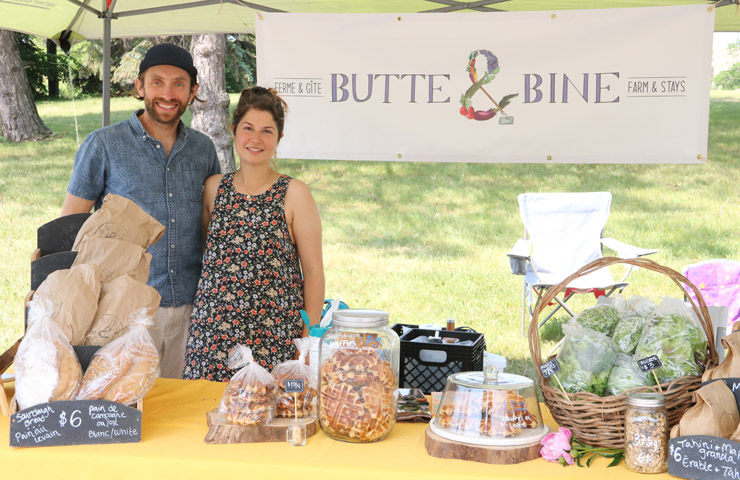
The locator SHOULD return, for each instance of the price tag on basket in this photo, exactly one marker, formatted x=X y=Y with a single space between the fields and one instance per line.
x=550 y=369
x=649 y=364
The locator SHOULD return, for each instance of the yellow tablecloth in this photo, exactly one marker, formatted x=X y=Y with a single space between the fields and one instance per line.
x=174 y=426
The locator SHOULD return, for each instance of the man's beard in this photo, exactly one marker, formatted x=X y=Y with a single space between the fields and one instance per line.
x=151 y=110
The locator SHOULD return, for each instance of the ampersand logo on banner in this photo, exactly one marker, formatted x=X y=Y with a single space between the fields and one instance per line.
x=466 y=101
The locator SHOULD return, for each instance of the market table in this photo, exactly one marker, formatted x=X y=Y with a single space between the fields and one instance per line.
x=174 y=426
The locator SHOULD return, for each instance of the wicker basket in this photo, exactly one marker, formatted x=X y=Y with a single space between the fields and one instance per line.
x=599 y=421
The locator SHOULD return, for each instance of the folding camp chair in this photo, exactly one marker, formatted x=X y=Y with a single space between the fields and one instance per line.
x=719 y=283
x=562 y=233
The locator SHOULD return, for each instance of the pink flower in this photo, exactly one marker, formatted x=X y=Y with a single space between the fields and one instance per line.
x=556 y=447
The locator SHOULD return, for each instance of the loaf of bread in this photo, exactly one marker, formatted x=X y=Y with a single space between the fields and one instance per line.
x=47 y=370
x=122 y=371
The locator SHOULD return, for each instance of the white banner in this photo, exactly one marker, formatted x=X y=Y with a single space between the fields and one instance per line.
x=626 y=85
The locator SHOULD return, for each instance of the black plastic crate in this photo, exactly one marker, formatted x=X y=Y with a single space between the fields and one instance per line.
x=427 y=365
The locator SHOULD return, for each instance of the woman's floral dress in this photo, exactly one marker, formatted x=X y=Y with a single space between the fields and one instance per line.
x=251 y=288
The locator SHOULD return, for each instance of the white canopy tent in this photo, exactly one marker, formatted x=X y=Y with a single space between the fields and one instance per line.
x=67 y=21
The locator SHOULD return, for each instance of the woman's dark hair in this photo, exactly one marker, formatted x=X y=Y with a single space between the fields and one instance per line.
x=260 y=98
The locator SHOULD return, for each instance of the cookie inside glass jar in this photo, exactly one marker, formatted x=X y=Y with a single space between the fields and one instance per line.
x=358 y=376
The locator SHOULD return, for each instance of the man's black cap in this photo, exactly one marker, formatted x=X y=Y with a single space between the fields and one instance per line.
x=168 y=54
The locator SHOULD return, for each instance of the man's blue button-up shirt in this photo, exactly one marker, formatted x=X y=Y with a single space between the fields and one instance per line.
x=123 y=159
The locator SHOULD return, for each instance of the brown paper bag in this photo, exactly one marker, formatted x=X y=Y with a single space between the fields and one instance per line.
x=115 y=258
x=730 y=366
x=74 y=295
x=736 y=434
x=119 y=299
x=122 y=219
x=714 y=414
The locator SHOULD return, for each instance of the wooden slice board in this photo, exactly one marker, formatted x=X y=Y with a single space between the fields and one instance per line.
x=443 y=448
x=221 y=432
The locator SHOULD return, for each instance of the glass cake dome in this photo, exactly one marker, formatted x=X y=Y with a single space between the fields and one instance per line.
x=488 y=408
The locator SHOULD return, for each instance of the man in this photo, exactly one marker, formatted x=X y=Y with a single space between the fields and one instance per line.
x=155 y=160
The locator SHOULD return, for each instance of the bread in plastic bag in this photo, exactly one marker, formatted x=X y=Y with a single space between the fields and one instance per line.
x=586 y=357
x=296 y=370
x=249 y=398
x=46 y=367
x=125 y=369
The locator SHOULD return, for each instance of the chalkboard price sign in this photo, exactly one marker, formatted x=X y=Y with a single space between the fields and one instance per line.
x=78 y=422
x=703 y=457
x=649 y=363
x=550 y=368
x=294 y=385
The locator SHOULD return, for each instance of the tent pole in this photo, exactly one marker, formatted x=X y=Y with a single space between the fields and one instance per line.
x=105 y=74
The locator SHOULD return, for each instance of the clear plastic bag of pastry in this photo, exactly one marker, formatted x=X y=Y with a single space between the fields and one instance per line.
x=124 y=370
x=358 y=376
x=46 y=367
x=249 y=398
x=296 y=404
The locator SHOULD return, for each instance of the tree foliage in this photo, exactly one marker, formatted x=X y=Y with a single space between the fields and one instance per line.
x=86 y=61
x=39 y=65
x=728 y=79
x=734 y=48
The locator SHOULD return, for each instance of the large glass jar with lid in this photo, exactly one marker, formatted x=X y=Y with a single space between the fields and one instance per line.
x=358 y=376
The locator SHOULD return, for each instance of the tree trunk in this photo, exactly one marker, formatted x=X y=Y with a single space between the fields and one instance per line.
x=19 y=118
x=212 y=116
x=53 y=78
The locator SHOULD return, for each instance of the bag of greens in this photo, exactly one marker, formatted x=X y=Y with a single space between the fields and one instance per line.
x=626 y=374
x=677 y=340
x=586 y=358
x=601 y=318
x=627 y=333
x=635 y=306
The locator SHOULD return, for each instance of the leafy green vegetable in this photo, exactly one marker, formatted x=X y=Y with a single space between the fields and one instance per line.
x=586 y=358
x=678 y=342
x=627 y=333
x=601 y=318
x=626 y=374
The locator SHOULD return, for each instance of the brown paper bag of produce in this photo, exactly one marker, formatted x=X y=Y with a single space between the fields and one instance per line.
x=736 y=434
x=715 y=413
x=119 y=299
x=122 y=219
x=730 y=366
x=115 y=258
x=73 y=294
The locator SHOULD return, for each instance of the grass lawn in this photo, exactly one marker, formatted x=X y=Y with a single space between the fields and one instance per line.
x=423 y=241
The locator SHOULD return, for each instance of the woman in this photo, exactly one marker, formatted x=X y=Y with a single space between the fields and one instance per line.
x=263 y=260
